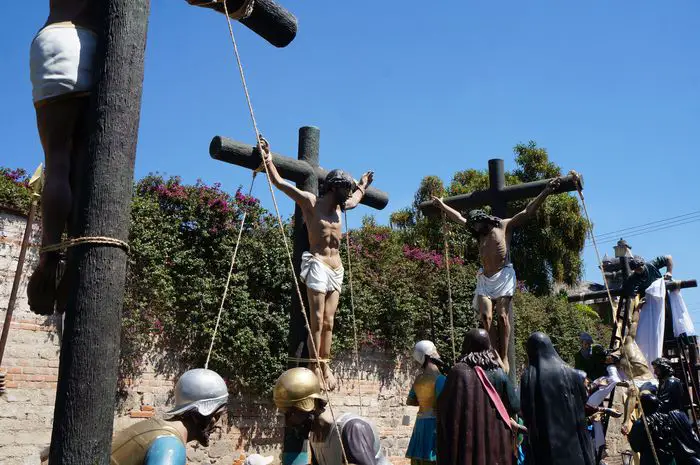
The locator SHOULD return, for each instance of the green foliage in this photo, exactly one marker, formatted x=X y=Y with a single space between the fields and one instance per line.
x=14 y=189
x=183 y=236
x=562 y=321
x=182 y=239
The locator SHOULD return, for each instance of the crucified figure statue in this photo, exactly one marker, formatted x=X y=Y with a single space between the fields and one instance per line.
x=62 y=58
x=495 y=281
x=321 y=267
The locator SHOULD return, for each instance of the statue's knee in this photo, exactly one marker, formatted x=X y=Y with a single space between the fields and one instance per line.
x=327 y=325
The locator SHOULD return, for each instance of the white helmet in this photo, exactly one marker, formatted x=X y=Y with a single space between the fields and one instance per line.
x=424 y=349
x=199 y=389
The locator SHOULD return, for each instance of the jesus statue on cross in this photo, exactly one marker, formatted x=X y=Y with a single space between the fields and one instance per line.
x=495 y=281
x=321 y=266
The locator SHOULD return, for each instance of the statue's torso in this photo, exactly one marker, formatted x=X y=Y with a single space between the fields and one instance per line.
x=493 y=250
x=82 y=13
x=424 y=388
x=325 y=233
x=129 y=446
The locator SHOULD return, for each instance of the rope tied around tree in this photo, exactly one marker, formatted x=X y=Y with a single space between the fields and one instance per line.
x=260 y=141
x=95 y=240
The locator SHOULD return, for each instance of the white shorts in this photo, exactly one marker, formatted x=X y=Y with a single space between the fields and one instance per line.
x=319 y=276
x=501 y=284
x=61 y=61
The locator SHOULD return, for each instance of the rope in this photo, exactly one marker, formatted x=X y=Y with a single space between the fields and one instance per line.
x=449 y=288
x=308 y=360
x=100 y=240
x=352 y=306
x=595 y=245
x=281 y=225
x=230 y=273
x=243 y=12
x=634 y=387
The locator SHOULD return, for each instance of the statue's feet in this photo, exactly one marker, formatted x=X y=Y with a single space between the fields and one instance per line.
x=41 y=290
x=331 y=382
x=506 y=366
x=316 y=368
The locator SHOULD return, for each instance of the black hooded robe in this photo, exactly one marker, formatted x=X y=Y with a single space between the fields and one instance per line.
x=553 y=399
x=469 y=428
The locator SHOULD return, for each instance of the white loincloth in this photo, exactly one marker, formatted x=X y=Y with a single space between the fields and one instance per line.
x=682 y=323
x=61 y=61
x=652 y=322
x=319 y=276
x=501 y=284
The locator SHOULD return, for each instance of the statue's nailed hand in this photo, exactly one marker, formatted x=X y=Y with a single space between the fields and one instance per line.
x=553 y=185
x=367 y=178
x=437 y=201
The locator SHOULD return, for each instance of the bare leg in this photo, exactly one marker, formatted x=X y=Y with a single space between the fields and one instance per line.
x=77 y=172
x=327 y=337
x=56 y=122
x=502 y=310
x=486 y=314
x=317 y=302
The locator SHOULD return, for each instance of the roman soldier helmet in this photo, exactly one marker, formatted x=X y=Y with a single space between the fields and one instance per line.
x=297 y=388
x=424 y=349
x=201 y=390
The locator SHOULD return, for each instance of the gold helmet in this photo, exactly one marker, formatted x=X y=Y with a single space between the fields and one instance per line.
x=297 y=388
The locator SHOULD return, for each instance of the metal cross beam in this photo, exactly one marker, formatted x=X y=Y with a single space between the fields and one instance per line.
x=307 y=174
x=268 y=19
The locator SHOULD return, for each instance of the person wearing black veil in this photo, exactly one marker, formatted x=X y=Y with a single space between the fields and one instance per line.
x=671 y=433
x=553 y=399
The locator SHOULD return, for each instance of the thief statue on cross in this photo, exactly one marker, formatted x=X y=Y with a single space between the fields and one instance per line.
x=321 y=266
x=495 y=282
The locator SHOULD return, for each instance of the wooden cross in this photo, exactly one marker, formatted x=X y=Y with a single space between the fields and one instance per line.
x=497 y=196
x=307 y=174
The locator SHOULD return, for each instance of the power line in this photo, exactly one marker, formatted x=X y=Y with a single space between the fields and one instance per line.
x=647 y=231
x=644 y=225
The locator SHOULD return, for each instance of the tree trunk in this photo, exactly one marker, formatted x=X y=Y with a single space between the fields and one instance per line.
x=85 y=398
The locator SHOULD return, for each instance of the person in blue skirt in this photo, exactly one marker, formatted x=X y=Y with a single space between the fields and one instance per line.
x=424 y=393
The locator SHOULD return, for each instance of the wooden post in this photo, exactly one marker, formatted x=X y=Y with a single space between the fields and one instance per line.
x=87 y=380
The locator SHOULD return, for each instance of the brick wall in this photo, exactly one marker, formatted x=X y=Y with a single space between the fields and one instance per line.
x=253 y=425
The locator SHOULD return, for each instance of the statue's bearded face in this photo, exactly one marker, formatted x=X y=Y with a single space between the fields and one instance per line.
x=341 y=194
x=482 y=227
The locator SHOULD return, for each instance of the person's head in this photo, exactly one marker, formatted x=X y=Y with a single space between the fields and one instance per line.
x=477 y=350
x=662 y=368
x=297 y=394
x=338 y=184
x=637 y=264
x=586 y=342
x=201 y=397
x=480 y=223
x=257 y=459
x=425 y=352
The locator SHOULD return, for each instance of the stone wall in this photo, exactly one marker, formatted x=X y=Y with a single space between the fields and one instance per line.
x=31 y=363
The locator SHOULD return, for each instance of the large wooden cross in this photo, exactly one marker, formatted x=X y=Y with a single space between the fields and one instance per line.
x=497 y=197
x=307 y=174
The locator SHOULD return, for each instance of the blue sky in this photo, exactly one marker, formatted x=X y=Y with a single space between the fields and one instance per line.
x=611 y=89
